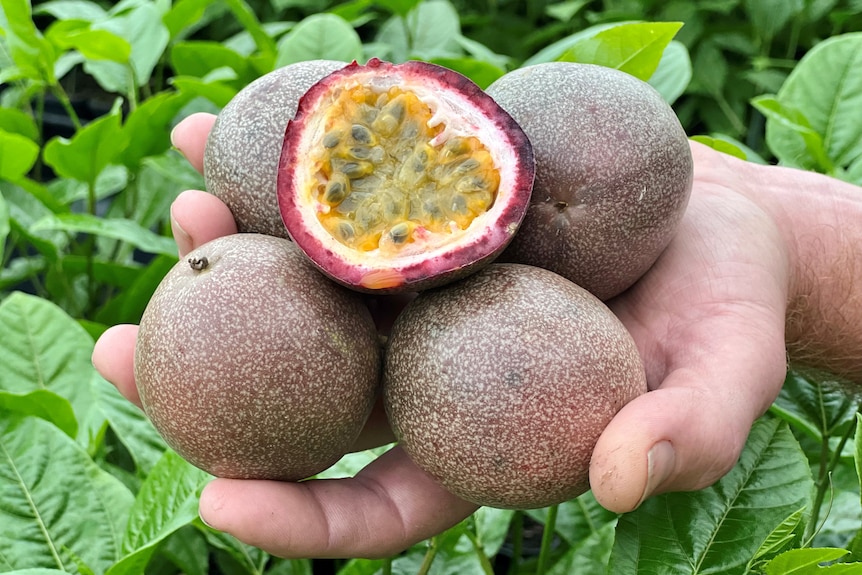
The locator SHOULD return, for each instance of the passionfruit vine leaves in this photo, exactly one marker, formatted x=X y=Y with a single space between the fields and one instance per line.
x=827 y=89
x=635 y=48
x=694 y=532
x=44 y=473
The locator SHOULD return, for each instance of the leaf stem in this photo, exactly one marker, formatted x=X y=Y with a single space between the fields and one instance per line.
x=487 y=568
x=433 y=548
x=61 y=95
x=828 y=464
x=547 y=539
x=517 y=541
x=386 y=568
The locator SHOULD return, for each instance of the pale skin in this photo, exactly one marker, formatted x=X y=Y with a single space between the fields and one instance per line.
x=764 y=268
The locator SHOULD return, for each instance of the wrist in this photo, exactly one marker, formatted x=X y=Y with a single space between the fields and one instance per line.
x=819 y=218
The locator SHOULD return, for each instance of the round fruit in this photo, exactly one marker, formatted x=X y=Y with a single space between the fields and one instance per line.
x=500 y=385
x=613 y=176
x=251 y=364
x=242 y=151
x=401 y=177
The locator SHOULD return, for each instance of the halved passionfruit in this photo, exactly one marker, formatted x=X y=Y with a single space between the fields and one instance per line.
x=401 y=177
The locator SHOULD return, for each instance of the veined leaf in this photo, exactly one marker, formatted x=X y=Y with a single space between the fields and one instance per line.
x=720 y=528
x=589 y=556
x=34 y=57
x=635 y=48
x=814 y=407
x=825 y=87
x=57 y=504
x=807 y=561
x=42 y=348
x=319 y=37
x=674 y=72
x=792 y=119
x=118 y=229
x=167 y=501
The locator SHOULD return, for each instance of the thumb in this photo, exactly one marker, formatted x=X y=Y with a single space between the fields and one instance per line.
x=683 y=436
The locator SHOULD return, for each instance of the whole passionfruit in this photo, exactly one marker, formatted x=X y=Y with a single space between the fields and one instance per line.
x=243 y=147
x=399 y=177
x=613 y=178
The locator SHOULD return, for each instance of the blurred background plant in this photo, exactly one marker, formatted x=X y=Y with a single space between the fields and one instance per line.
x=88 y=94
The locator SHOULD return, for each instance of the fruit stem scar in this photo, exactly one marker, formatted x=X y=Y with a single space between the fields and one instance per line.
x=199 y=264
x=561 y=206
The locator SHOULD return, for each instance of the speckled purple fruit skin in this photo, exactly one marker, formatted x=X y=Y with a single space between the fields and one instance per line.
x=500 y=385
x=464 y=258
x=256 y=366
x=613 y=175
x=243 y=148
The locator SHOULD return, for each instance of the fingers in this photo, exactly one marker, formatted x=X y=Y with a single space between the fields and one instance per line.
x=384 y=509
x=114 y=358
x=198 y=217
x=190 y=136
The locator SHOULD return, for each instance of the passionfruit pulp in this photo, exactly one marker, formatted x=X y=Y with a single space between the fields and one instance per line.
x=400 y=177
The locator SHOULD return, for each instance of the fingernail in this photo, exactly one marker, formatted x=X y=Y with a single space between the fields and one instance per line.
x=183 y=239
x=660 y=463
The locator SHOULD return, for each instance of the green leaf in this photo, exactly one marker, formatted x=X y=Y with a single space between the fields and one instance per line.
x=806 y=561
x=319 y=37
x=635 y=48
x=92 y=44
x=577 y=518
x=770 y=16
x=166 y=502
x=42 y=403
x=588 y=556
x=33 y=56
x=826 y=88
x=247 y=18
x=57 y=503
x=482 y=73
x=72 y=10
x=18 y=154
x=17 y=122
x=492 y=527
x=216 y=92
x=42 y=348
x=722 y=146
x=814 y=407
x=132 y=427
x=199 y=58
x=674 y=72
x=720 y=528
x=89 y=151
x=128 y=306
x=780 y=537
x=430 y=30
x=398 y=7
x=145 y=32
x=147 y=129
x=793 y=119
x=119 y=229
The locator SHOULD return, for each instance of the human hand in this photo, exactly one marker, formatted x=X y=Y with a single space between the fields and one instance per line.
x=708 y=319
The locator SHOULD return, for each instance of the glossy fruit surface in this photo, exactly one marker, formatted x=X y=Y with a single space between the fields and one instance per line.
x=401 y=177
x=499 y=385
x=243 y=148
x=613 y=177
x=252 y=364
